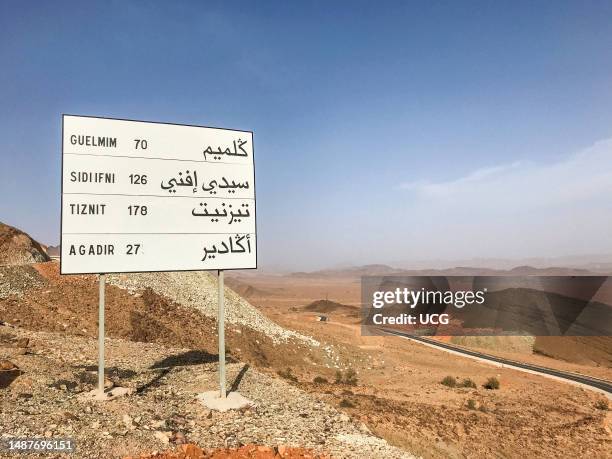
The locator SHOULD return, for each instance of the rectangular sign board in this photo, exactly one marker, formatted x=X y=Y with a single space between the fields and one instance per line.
x=139 y=196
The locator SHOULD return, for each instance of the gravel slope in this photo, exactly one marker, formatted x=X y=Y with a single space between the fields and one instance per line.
x=199 y=290
x=16 y=280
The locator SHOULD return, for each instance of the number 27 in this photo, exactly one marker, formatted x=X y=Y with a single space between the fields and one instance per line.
x=132 y=249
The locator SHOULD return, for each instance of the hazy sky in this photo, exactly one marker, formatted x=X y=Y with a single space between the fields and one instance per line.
x=384 y=131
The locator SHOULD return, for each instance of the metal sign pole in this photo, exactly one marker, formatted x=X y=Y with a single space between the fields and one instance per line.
x=101 y=335
x=221 y=324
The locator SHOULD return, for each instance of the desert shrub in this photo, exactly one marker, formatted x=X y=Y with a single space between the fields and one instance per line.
x=344 y=403
x=602 y=404
x=449 y=381
x=492 y=383
x=287 y=374
x=471 y=404
x=483 y=408
x=350 y=377
x=319 y=380
x=467 y=382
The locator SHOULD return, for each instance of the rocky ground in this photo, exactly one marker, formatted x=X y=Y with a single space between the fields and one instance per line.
x=15 y=280
x=190 y=451
x=163 y=344
x=56 y=369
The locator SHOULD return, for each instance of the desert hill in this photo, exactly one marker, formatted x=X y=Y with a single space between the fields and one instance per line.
x=385 y=270
x=53 y=250
x=243 y=289
x=18 y=248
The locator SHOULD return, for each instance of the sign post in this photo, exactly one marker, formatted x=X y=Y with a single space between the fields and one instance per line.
x=101 y=334
x=221 y=325
x=140 y=196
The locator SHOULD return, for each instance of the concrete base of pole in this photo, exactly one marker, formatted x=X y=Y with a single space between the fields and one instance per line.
x=233 y=401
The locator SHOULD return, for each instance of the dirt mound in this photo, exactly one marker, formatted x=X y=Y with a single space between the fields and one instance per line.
x=18 y=248
x=70 y=304
x=247 y=451
x=199 y=291
x=327 y=306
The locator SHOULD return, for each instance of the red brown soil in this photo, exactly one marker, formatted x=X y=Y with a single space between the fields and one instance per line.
x=17 y=247
x=244 y=452
x=70 y=304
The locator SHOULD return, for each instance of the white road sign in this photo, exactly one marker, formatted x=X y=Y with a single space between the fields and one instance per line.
x=140 y=196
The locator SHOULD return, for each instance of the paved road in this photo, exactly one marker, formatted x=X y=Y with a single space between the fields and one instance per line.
x=600 y=384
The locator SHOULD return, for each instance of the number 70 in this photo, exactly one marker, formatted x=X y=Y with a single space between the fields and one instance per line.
x=140 y=144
